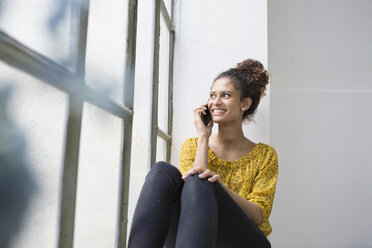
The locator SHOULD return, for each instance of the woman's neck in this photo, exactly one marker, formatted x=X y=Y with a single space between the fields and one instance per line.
x=230 y=135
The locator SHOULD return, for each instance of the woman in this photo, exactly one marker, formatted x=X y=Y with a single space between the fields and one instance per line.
x=225 y=195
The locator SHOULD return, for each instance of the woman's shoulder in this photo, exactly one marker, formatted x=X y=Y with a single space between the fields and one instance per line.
x=268 y=155
x=267 y=149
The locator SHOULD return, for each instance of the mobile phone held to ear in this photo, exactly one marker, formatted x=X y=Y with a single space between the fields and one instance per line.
x=206 y=118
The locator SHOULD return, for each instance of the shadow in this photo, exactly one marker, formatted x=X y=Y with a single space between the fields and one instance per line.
x=17 y=184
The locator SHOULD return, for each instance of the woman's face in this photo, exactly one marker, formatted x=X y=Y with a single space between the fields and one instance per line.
x=224 y=102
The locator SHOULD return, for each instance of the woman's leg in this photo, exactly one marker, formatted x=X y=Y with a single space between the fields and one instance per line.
x=211 y=218
x=198 y=221
x=157 y=208
x=235 y=228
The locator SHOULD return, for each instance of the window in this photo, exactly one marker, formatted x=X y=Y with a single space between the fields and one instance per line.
x=161 y=139
x=69 y=72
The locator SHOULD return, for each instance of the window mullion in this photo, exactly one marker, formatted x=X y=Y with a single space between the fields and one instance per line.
x=155 y=82
x=170 y=85
x=72 y=144
x=166 y=17
x=128 y=95
x=19 y=56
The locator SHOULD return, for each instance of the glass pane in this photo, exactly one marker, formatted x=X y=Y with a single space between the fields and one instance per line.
x=106 y=46
x=42 y=25
x=38 y=112
x=98 y=180
x=163 y=77
x=161 y=150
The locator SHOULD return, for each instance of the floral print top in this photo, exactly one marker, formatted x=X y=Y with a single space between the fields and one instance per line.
x=252 y=176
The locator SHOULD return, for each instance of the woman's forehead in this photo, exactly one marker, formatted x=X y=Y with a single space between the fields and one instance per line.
x=223 y=84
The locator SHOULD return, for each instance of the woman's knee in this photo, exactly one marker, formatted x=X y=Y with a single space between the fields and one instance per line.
x=199 y=194
x=196 y=185
x=162 y=168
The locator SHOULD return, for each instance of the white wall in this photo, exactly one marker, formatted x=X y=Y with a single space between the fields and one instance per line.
x=320 y=56
x=212 y=36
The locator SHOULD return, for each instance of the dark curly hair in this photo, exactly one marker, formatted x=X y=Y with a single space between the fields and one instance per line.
x=250 y=78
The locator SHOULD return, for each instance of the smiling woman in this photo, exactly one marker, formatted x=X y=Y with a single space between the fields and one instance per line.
x=224 y=101
x=249 y=78
x=223 y=193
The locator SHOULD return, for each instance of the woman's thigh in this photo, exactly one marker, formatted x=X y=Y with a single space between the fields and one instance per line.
x=235 y=228
x=157 y=207
x=198 y=218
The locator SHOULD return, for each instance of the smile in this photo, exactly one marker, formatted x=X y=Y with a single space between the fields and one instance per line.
x=216 y=111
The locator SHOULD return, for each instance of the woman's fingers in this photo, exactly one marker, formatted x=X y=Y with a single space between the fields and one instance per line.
x=210 y=124
x=186 y=175
x=190 y=172
x=206 y=174
x=193 y=171
x=215 y=178
x=200 y=110
x=212 y=177
x=201 y=128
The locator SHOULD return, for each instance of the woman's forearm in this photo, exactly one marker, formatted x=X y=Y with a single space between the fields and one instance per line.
x=201 y=157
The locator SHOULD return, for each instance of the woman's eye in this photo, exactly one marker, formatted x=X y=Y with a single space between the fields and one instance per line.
x=212 y=96
x=226 y=95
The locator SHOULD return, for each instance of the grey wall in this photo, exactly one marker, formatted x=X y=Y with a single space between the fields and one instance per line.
x=320 y=57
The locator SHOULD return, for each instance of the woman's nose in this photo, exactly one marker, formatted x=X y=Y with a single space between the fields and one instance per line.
x=217 y=100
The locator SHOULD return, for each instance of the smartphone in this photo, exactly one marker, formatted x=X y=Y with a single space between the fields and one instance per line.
x=206 y=118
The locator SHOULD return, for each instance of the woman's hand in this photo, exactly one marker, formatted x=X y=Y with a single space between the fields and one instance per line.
x=212 y=177
x=202 y=130
x=192 y=171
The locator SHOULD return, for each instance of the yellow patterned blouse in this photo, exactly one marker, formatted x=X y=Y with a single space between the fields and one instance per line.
x=253 y=176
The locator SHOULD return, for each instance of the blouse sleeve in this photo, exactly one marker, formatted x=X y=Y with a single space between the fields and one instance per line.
x=263 y=189
x=187 y=155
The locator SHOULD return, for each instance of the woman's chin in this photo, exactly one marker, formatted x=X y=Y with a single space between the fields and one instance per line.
x=223 y=121
x=217 y=120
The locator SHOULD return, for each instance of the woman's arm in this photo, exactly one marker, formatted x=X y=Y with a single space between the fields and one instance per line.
x=251 y=209
x=204 y=132
x=201 y=156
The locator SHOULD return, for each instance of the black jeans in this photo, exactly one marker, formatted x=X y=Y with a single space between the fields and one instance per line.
x=196 y=213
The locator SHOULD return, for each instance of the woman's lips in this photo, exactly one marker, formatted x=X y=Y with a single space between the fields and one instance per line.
x=218 y=111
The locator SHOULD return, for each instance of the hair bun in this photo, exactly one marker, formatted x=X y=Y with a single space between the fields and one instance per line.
x=249 y=65
x=252 y=68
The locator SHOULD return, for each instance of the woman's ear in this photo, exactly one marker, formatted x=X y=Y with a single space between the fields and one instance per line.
x=246 y=103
